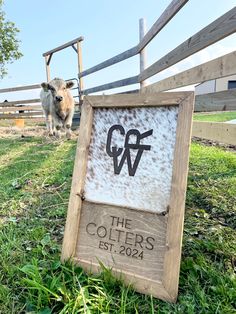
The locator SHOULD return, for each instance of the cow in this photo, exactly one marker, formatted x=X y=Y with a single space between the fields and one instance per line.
x=58 y=106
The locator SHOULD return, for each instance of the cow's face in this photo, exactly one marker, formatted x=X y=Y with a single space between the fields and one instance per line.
x=59 y=90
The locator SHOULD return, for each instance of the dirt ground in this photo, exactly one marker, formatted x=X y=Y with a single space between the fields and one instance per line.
x=27 y=131
x=215 y=144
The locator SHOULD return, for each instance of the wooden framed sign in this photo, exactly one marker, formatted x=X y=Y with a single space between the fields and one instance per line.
x=126 y=206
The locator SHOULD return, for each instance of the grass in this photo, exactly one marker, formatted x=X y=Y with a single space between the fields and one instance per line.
x=34 y=190
x=215 y=117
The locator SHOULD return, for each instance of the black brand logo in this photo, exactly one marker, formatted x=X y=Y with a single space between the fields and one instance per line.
x=115 y=152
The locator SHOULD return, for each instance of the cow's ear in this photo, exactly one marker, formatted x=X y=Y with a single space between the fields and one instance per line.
x=50 y=87
x=45 y=86
x=69 y=84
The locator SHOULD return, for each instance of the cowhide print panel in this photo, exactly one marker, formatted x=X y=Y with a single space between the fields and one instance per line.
x=131 y=157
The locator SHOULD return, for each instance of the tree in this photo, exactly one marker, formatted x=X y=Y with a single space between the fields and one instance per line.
x=9 y=44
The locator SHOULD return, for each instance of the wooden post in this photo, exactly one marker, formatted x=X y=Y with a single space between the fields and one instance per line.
x=143 y=52
x=80 y=69
x=47 y=67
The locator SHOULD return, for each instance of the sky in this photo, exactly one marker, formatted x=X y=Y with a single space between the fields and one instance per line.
x=108 y=28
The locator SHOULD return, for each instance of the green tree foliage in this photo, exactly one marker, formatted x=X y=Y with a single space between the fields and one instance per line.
x=9 y=44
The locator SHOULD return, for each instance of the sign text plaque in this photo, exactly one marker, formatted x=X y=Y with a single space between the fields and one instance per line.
x=126 y=206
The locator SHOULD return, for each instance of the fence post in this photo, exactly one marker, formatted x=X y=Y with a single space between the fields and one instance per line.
x=80 y=69
x=143 y=53
x=47 y=61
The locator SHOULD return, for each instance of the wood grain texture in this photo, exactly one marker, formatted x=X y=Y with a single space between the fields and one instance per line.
x=136 y=100
x=68 y=44
x=177 y=199
x=19 y=102
x=120 y=57
x=219 y=67
x=24 y=108
x=165 y=17
x=129 y=240
x=225 y=100
x=143 y=52
x=219 y=29
x=21 y=115
x=142 y=247
x=47 y=66
x=75 y=200
x=111 y=85
x=20 y=88
x=141 y=284
x=215 y=131
x=80 y=66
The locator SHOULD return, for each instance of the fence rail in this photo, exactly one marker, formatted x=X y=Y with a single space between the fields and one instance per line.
x=215 y=31
x=219 y=101
x=19 y=88
x=216 y=68
x=219 y=67
x=19 y=102
x=171 y=10
x=215 y=131
x=27 y=115
x=68 y=44
x=219 y=29
x=21 y=109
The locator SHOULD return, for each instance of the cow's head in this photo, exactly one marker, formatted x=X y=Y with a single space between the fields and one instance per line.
x=59 y=90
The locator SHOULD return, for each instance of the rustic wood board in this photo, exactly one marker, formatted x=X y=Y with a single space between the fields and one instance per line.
x=216 y=131
x=211 y=70
x=125 y=213
x=122 y=238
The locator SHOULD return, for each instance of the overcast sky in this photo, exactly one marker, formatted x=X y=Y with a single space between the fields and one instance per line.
x=108 y=28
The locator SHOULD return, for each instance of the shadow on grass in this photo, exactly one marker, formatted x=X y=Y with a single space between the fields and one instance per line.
x=21 y=177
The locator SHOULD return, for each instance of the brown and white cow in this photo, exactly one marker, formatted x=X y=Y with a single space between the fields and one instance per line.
x=58 y=106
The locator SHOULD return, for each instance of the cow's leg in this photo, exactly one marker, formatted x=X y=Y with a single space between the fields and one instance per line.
x=68 y=123
x=68 y=131
x=48 y=119
x=58 y=131
x=58 y=127
x=49 y=124
x=53 y=128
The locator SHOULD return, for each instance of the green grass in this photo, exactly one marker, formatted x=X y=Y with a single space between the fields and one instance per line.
x=34 y=191
x=215 y=117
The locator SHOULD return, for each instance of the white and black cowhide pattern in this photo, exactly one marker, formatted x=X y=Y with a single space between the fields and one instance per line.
x=149 y=188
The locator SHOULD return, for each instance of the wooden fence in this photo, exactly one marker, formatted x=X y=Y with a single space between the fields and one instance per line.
x=215 y=131
x=28 y=108
x=76 y=45
x=214 y=69
x=215 y=31
x=219 y=101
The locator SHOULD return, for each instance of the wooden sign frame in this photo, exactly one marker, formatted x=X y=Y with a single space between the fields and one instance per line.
x=167 y=287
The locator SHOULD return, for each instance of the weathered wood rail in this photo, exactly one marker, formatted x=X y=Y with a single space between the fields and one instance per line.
x=215 y=131
x=25 y=108
x=167 y=15
x=76 y=45
x=215 y=31
x=214 y=69
x=219 y=101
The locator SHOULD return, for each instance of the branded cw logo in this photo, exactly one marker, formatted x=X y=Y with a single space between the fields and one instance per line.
x=115 y=152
